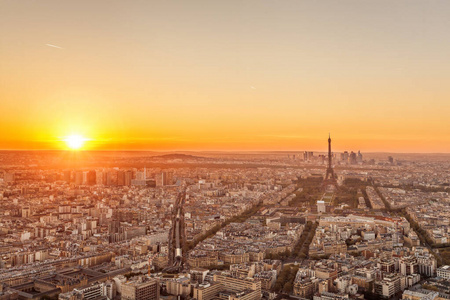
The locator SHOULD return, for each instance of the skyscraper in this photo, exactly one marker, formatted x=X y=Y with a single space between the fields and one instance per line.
x=352 y=158
x=128 y=177
x=120 y=178
x=359 y=158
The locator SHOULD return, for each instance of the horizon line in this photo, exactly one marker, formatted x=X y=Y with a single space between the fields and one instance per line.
x=218 y=151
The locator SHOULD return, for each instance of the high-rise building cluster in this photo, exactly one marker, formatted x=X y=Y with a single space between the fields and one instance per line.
x=343 y=158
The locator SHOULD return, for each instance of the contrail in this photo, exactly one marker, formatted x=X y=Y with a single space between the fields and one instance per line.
x=54 y=46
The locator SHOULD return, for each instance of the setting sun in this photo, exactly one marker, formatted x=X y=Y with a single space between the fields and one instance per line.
x=75 y=141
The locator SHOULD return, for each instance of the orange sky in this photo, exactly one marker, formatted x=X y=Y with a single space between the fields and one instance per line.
x=226 y=75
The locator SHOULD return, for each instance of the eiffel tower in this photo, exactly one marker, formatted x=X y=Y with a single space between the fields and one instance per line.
x=330 y=177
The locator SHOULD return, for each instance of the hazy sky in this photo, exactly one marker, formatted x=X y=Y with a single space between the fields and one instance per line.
x=226 y=75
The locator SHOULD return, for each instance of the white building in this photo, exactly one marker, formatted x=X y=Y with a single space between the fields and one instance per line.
x=321 y=206
x=444 y=272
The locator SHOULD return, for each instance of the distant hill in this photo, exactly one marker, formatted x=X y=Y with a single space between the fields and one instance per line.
x=178 y=156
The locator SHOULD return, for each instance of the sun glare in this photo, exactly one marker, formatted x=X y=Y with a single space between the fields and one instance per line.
x=75 y=141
